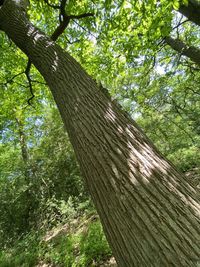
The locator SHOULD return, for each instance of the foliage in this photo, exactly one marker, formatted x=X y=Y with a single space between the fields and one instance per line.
x=93 y=245
x=81 y=248
x=24 y=253
x=42 y=199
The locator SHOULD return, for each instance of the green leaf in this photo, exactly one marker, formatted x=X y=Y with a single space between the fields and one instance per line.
x=176 y=4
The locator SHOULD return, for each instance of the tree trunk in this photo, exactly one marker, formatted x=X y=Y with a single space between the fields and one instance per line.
x=22 y=140
x=189 y=51
x=149 y=212
x=28 y=174
x=191 y=11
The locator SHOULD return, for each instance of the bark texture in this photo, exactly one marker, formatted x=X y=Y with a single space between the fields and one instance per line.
x=150 y=214
x=189 y=51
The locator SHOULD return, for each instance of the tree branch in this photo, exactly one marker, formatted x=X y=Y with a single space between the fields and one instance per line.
x=64 y=20
x=60 y=29
x=27 y=72
x=191 y=11
x=189 y=51
x=51 y=5
x=179 y=24
x=84 y=15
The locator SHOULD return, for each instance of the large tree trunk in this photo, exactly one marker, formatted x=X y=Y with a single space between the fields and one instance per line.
x=149 y=212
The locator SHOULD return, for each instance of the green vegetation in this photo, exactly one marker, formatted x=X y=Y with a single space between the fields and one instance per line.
x=85 y=245
x=46 y=214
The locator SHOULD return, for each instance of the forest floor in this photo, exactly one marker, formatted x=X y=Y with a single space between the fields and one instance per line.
x=87 y=227
x=80 y=227
x=79 y=242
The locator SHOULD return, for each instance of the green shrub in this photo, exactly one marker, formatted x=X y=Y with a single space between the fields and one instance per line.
x=25 y=259
x=93 y=245
x=82 y=245
x=23 y=254
x=186 y=158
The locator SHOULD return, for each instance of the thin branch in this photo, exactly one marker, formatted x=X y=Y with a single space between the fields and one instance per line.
x=179 y=24
x=161 y=42
x=176 y=124
x=84 y=15
x=11 y=80
x=22 y=85
x=27 y=72
x=35 y=81
x=83 y=28
x=51 y=5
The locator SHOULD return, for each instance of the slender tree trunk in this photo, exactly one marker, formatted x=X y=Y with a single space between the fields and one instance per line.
x=149 y=212
x=29 y=192
x=189 y=51
x=22 y=140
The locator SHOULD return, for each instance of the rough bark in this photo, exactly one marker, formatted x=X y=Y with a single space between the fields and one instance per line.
x=149 y=212
x=189 y=51
x=191 y=11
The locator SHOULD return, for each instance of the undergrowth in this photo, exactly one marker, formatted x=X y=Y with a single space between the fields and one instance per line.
x=83 y=246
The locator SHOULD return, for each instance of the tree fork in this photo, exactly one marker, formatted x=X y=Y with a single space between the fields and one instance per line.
x=150 y=213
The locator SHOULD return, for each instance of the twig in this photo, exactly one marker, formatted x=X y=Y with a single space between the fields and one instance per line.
x=27 y=72
x=51 y=5
x=179 y=24
x=83 y=28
